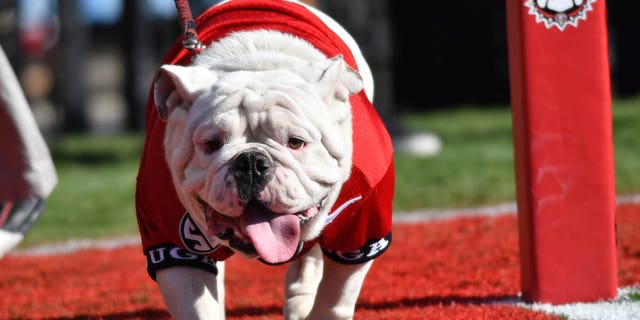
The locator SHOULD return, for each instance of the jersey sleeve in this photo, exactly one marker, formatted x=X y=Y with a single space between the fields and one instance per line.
x=362 y=230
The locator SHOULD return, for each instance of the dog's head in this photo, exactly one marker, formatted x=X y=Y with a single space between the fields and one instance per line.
x=258 y=157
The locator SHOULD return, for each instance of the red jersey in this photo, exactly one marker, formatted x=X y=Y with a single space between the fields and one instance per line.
x=359 y=226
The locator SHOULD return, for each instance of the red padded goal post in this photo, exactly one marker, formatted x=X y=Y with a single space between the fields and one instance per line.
x=561 y=107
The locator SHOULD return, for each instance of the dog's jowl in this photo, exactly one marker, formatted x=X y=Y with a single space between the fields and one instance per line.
x=265 y=144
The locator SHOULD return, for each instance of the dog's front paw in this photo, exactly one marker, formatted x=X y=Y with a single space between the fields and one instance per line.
x=298 y=307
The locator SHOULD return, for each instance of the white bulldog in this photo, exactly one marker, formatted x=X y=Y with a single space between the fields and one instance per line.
x=258 y=143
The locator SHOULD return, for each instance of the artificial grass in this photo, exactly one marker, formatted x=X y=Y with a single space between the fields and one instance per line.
x=462 y=268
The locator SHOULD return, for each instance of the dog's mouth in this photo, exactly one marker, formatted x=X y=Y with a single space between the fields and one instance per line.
x=260 y=232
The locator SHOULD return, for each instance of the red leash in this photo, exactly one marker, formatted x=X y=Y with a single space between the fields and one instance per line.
x=191 y=41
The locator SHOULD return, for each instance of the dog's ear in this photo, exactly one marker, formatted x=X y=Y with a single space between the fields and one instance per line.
x=176 y=85
x=334 y=77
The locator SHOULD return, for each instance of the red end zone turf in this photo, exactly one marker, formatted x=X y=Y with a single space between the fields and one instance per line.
x=464 y=268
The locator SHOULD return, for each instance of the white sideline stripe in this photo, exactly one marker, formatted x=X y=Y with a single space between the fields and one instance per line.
x=398 y=217
x=620 y=308
x=77 y=245
x=508 y=208
x=428 y=215
x=632 y=198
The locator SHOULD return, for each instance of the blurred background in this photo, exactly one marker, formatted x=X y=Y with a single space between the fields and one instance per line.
x=86 y=65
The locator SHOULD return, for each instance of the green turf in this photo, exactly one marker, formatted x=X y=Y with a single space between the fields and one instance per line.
x=626 y=134
x=95 y=195
x=475 y=166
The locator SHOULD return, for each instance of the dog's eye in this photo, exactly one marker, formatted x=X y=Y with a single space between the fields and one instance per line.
x=212 y=146
x=295 y=143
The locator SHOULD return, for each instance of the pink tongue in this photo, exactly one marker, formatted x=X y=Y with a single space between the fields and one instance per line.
x=274 y=236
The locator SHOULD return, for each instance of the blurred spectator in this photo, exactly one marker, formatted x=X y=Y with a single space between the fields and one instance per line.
x=27 y=173
x=38 y=27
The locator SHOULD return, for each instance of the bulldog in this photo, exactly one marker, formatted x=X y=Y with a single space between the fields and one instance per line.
x=265 y=144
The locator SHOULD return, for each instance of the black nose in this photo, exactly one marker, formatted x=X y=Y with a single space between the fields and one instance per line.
x=251 y=171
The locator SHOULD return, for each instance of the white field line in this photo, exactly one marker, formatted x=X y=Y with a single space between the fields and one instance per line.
x=632 y=198
x=428 y=215
x=76 y=245
x=621 y=308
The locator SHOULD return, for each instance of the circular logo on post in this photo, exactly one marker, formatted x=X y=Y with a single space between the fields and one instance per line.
x=559 y=13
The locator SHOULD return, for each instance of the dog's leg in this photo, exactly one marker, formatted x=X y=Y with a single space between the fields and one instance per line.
x=339 y=290
x=301 y=284
x=220 y=286
x=191 y=293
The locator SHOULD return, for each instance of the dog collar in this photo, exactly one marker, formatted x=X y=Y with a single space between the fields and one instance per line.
x=191 y=41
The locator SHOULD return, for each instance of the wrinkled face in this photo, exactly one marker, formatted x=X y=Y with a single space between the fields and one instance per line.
x=258 y=157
